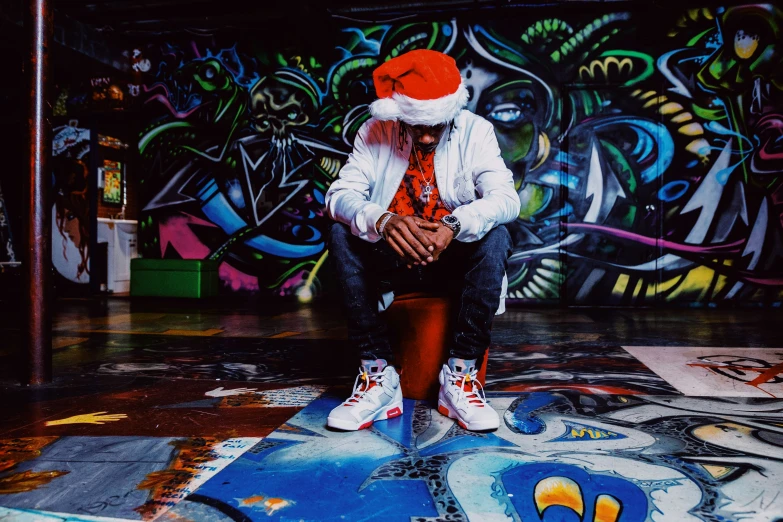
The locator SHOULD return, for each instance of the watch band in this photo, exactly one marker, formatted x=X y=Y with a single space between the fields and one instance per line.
x=451 y=222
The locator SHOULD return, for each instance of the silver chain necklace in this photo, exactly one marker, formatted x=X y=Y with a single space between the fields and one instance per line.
x=426 y=190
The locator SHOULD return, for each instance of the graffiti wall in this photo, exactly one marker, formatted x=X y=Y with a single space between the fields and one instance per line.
x=7 y=253
x=647 y=156
x=71 y=204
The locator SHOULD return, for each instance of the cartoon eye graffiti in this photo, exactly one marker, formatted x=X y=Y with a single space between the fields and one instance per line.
x=559 y=491
x=534 y=198
x=209 y=72
x=745 y=44
x=506 y=113
x=723 y=472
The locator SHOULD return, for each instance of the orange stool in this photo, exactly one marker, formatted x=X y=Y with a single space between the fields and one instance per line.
x=420 y=323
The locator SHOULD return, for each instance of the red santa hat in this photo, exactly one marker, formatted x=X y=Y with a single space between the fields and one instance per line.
x=420 y=88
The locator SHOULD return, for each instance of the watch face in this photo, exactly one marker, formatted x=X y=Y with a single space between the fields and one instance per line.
x=450 y=220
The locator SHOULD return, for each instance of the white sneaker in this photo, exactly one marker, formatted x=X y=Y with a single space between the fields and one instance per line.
x=376 y=396
x=462 y=398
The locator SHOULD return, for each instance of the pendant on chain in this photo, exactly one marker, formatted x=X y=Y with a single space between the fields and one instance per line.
x=426 y=190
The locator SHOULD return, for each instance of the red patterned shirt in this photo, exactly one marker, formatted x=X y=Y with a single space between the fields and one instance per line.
x=407 y=201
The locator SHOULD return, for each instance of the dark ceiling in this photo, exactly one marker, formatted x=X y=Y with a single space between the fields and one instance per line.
x=166 y=16
x=295 y=18
x=149 y=17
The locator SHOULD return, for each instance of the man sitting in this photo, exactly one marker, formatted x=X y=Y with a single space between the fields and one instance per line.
x=425 y=176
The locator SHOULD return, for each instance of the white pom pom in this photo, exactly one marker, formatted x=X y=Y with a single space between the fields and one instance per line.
x=385 y=109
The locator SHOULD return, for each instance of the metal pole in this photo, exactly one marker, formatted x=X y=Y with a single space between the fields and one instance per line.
x=37 y=264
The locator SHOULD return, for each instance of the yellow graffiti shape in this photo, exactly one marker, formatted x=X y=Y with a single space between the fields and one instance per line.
x=331 y=166
x=100 y=417
x=716 y=432
x=695 y=285
x=14 y=451
x=691 y=129
x=274 y=505
x=167 y=487
x=745 y=44
x=603 y=66
x=270 y=505
x=620 y=285
x=592 y=433
x=27 y=481
x=607 y=509
x=251 y=501
x=559 y=491
x=717 y=472
x=658 y=100
x=253 y=400
x=700 y=147
x=670 y=108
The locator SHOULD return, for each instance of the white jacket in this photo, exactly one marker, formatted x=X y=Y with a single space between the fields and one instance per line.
x=473 y=181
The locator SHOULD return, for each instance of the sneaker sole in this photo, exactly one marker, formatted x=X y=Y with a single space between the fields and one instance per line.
x=389 y=412
x=446 y=411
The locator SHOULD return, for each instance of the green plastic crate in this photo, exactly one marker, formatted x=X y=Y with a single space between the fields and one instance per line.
x=174 y=277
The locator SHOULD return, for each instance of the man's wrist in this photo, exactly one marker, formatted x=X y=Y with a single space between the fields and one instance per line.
x=381 y=224
x=451 y=222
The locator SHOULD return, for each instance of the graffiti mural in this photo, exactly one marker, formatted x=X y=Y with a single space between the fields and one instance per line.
x=749 y=372
x=148 y=475
x=600 y=369
x=556 y=456
x=648 y=172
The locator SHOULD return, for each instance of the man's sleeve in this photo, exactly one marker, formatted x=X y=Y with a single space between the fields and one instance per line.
x=348 y=198
x=498 y=201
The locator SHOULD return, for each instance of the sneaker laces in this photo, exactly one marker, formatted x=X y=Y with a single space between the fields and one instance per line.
x=363 y=383
x=474 y=394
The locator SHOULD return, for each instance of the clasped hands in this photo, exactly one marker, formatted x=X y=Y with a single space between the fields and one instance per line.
x=416 y=240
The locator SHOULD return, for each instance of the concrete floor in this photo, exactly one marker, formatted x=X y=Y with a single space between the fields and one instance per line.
x=176 y=410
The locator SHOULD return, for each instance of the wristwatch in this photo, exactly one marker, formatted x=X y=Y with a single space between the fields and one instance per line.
x=452 y=222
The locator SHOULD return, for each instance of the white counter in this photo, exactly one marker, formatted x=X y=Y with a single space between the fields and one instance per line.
x=121 y=236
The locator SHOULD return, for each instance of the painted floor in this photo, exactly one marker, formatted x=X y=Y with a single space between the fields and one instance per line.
x=176 y=411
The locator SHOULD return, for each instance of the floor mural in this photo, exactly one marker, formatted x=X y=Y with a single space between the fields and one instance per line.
x=191 y=416
x=136 y=478
x=260 y=360
x=590 y=369
x=726 y=372
x=191 y=408
x=562 y=456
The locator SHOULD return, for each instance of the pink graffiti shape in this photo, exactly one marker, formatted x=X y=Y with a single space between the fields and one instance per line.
x=651 y=241
x=176 y=232
x=236 y=279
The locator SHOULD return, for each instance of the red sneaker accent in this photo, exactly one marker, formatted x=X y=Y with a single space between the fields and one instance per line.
x=394 y=412
x=365 y=425
x=462 y=424
x=442 y=410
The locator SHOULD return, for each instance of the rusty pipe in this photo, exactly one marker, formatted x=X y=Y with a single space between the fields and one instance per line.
x=37 y=327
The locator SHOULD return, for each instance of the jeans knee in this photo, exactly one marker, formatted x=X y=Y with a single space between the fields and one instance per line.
x=498 y=241
x=339 y=234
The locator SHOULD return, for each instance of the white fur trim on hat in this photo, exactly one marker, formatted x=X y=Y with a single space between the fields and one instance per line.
x=421 y=112
x=385 y=109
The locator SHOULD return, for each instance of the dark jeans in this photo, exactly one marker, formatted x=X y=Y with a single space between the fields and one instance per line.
x=471 y=274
